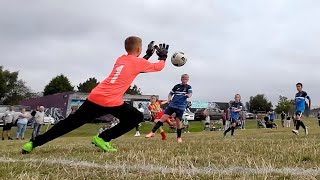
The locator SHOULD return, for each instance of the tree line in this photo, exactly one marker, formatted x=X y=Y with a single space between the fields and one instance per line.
x=13 y=90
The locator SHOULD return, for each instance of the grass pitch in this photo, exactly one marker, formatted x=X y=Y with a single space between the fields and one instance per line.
x=252 y=154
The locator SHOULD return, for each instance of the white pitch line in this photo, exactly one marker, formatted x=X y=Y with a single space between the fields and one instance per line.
x=169 y=170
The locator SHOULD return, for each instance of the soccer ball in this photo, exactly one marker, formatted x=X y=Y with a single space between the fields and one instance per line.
x=178 y=59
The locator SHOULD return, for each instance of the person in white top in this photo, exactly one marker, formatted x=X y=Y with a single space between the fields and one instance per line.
x=22 y=124
x=8 y=118
x=207 y=119
x=141 y=109
x=39 y=119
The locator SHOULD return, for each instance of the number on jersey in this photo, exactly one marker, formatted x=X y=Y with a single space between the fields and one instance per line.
x=116 y=75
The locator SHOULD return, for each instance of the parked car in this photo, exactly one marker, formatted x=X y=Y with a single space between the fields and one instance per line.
x=249 y=116
x=188 y=115
x=214 y=113
x=48 y=119
x=147 y=115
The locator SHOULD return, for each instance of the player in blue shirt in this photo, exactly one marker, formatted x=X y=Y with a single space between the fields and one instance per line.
x=300 y=104
x=177 y=99
x=234 y=110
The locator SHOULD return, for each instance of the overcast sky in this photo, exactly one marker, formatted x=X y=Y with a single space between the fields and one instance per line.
x=245 y=47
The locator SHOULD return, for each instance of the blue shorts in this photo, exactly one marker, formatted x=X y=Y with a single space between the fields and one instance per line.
x=170 y=110
x=233 y=120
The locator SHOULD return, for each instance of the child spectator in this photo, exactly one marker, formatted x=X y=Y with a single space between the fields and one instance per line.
x=288 y=122
x=185 y=124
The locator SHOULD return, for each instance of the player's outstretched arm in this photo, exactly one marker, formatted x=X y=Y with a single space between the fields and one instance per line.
x=164 y=102
x=146 y=66
x=169 y=97
x=189 y=92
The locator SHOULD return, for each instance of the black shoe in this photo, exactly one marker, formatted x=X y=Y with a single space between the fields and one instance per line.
x=2 y=138
x=9 y=138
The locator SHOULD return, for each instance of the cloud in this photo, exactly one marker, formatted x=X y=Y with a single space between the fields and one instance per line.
x=245 y=47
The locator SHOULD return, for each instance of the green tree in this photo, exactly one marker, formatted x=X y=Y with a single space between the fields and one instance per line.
x=19 y=92
x=88 y=85
x=284 y=104
x=259 y=103
x=7 y=81
x=134 y=90
x=247 y=106
x=12 y=89
x=58 y=84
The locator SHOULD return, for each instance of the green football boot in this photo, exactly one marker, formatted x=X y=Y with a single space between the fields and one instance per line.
x=105 y=146
x=27 y=148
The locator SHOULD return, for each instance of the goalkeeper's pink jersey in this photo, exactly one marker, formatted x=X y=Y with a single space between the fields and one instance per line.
x=109 y=93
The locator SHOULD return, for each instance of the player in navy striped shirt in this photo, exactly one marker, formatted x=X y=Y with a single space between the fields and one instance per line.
x=300 y=103
x=177 y=99
x=235 y=108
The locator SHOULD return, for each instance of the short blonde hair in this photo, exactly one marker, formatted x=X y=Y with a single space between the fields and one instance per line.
x=132 y=43
x=184 y=75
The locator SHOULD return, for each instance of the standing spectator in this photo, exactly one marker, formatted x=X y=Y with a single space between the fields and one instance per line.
x=141 y=109
x=185 y=124
x=272 y=115
x=288 y=121
x=207 y=120
x=283 y=117
x=243 y=119
x=8 y=121
x=318 y=115
x=38 y=118
x=33 y=113
x=224 y=119
x=22 y=124
x=266 y=118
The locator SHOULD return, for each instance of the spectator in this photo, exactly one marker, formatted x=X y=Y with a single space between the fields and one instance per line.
x=141 y=109
x=283 y=117
x=243 y=119
x=261 y=123
x=33 y=113
x=22 y=124
x=266 y=118
x=8 y=121
x=269 y=123
x=224 y=119
x=288 y=123
x=207 y=120
x=318 y=115
x=272 y=115
x=186 y=125
x=212 y=127
x=38 y=121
